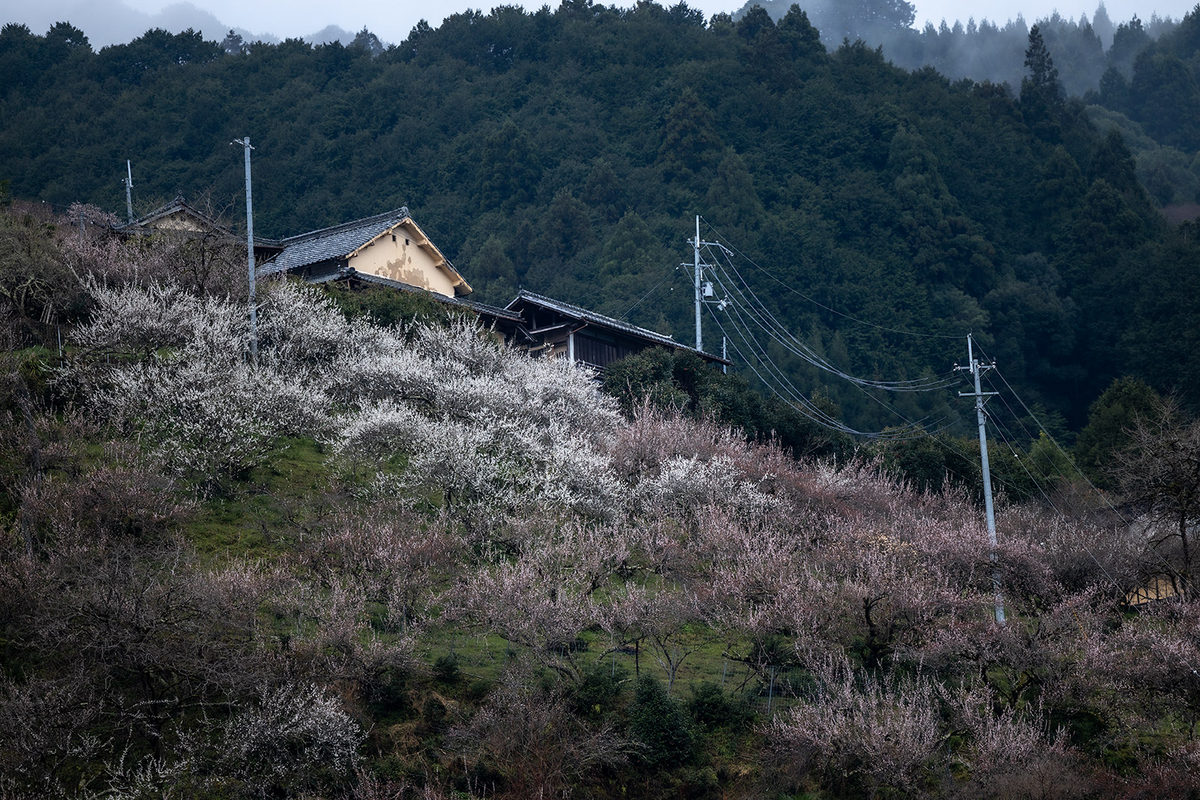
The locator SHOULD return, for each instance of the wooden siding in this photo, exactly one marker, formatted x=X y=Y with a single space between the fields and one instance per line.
x=591 y=350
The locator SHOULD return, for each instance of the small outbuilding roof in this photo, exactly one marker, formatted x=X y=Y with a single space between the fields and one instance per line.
x=175 y=208
x=524 y=299
x=180 y=217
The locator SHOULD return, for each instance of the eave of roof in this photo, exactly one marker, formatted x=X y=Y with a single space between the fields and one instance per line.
x=349 y=273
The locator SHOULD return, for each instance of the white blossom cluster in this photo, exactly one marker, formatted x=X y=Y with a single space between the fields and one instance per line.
x=157 y=316
x=295 y=731
x=690 y=483
x=481 y=426
x=174 y=374
x=470 y=422
x=443 y=414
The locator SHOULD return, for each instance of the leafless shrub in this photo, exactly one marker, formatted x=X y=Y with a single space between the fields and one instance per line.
x=655 y=437
x=859 y=730
x=333 y=638
x=1079 y=553
x=144 y=628
x=1003 y=738
x=48 y=727
x=533 y=601
x=1149 y=664
x=111 y=502
x=395 y=557
x=370 y=787
x=533 y=741
x=1160 y=471
x=204 y=261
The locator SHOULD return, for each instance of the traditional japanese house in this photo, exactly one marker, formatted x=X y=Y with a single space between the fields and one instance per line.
x=390 y=246
x=554 y=328
x=390 y=250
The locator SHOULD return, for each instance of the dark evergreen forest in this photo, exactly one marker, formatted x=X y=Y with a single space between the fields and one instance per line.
x=568 y=151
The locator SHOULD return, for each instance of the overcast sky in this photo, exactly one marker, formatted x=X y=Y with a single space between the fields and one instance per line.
x=106 y=21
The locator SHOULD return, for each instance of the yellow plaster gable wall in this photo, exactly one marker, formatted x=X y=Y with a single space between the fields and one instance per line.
x=178 y=221
x=397 y=256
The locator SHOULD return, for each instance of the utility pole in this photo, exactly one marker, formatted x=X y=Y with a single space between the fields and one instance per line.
x=976 y=369
x=696 y=252
x=128 y=191
x=704 y=289
x=245 y=143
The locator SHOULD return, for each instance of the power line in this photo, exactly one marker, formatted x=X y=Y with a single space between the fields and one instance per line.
x=792 y=395
x=789 y=394
x=665 y=278
x=1060 y=448
x=760 y=318
x=750 y=317
x=819 y=304
x=770 y=325
x=1156 y=555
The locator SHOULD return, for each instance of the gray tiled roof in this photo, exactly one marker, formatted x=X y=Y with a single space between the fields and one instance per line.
x=331 y=243
x=569 y=310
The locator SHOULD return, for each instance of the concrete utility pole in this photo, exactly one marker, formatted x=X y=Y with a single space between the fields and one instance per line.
x=704 y=289
x=696 y=263
x=128 y=191
x=976 y=370
x=245 y=143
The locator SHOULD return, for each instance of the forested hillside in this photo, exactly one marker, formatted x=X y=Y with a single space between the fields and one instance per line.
x=386 y=556
x=1138 y=76
x=568 y=150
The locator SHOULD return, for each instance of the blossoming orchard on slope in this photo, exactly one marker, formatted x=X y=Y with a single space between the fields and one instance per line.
x=473 y=494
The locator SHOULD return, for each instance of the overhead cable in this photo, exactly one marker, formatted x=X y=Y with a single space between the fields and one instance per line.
x=819 y=304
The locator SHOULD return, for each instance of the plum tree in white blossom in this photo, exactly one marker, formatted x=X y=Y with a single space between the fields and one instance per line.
x=482 y=426
x=297 y=737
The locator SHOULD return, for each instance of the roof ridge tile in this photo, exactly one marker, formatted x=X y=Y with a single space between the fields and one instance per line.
x=399 y=214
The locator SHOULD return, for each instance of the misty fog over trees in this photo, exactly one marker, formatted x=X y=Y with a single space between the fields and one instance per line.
x=983 y=49
x=1125 y=70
